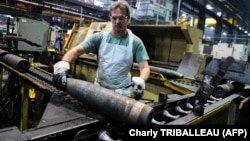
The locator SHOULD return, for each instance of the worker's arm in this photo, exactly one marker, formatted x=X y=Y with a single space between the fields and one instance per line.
x=139 y=82
x=144 y=70
x=73 y=54
x=62 y=68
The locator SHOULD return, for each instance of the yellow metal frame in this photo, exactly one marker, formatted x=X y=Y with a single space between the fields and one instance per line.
x=24 y=107
x=209 y=114
x=25 y=87
x=159 y=77
x=177 y=88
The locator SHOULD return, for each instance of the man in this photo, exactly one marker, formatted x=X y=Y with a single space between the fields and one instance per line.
x=116 y=51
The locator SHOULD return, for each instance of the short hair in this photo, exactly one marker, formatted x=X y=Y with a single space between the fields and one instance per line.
x=123 y=5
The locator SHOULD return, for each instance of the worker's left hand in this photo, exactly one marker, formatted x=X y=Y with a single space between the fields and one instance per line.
x=139 y=86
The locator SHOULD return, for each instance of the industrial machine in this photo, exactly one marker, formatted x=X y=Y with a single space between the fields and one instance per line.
x=26 y=43
x=23 y=28
x=211 y=91
x=84 y=111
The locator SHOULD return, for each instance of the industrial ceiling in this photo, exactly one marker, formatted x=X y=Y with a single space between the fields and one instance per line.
x=240 y=9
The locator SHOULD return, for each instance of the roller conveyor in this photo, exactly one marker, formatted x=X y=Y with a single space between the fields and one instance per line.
x=66 y=116
x=63 y=112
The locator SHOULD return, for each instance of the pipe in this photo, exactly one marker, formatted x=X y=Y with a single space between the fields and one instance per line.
x=165 y=72
x=110 y=103
x=178 y=11
x=224 y=90
x=16 y=62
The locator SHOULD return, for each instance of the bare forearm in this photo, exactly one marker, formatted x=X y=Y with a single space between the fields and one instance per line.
x=144 y=70
x=73 y=54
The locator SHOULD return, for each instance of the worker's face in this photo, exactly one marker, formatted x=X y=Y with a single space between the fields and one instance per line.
x=119 y=19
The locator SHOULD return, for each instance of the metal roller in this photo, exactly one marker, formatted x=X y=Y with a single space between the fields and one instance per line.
x=165 y=72
x=16 y=62
x=158 y=122
x=168 y=115
x=189 y=106
x=2 y=53
x=110 y=103
x=105 y=136
x=180 y=110
x=226 y=89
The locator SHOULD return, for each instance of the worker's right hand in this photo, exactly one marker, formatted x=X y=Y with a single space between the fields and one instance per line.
x=60 y=74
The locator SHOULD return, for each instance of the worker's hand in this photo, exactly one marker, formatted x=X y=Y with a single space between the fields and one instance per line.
x=60 y=74
x=139 y=86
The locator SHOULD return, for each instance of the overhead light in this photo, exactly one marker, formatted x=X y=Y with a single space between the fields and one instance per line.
x=219 y=14
x=209 y=7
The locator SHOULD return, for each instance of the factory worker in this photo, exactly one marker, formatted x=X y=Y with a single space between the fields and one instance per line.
x=116 y=50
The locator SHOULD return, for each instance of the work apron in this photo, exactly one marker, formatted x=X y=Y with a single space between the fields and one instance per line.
x=114 y=65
